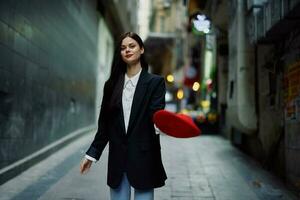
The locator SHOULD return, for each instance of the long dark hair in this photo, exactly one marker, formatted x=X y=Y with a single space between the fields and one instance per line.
x=115 y=81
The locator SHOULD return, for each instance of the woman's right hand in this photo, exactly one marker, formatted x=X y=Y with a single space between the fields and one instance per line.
x=85 y=165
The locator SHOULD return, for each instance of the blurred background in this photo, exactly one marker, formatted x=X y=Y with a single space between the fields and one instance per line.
x=233 y=66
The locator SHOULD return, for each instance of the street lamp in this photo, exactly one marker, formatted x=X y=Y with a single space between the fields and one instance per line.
x=180 y=94
x=196 y=86
x=170 y=78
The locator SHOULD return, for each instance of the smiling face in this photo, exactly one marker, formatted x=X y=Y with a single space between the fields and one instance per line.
x=131 y=51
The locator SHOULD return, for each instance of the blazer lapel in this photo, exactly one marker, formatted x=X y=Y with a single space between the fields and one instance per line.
x=120 y=110
x=139 y=93
x=121 y=118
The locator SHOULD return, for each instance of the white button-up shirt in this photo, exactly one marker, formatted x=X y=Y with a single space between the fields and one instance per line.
x=127 y=95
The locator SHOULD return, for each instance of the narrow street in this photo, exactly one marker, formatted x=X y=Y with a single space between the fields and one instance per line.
x=202 y=168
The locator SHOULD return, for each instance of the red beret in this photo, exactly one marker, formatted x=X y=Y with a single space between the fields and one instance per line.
x=176 y=125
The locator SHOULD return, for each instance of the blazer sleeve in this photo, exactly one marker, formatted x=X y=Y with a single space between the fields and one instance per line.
x=157 y=101
x=101 y=137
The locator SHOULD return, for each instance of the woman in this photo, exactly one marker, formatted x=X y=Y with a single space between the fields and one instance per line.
x=131 y=97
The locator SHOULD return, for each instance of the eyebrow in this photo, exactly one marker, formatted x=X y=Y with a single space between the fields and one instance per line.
x=128 y=44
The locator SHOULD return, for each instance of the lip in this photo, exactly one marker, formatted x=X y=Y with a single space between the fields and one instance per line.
x=129 y=55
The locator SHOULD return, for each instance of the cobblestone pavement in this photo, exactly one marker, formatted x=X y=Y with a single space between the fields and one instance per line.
x=201 y=168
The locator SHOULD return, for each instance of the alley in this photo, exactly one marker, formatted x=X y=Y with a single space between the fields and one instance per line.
x=232 y=66
x=202 y=168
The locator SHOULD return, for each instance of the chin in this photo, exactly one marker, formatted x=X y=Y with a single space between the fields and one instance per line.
x=130 y=62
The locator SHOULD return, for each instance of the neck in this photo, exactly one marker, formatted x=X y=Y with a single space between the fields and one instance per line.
x=133 y=69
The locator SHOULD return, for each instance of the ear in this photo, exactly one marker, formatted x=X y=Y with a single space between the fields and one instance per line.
x=142 y=50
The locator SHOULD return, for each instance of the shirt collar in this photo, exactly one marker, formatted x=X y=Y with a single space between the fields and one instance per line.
x=133 y=79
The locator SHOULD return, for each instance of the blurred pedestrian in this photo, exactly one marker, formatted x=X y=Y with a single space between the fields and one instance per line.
x=131 y=97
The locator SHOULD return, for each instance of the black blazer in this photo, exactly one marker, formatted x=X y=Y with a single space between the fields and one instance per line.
x=137 y=152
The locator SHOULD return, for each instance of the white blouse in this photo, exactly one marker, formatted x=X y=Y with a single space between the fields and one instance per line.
x=127 y=95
